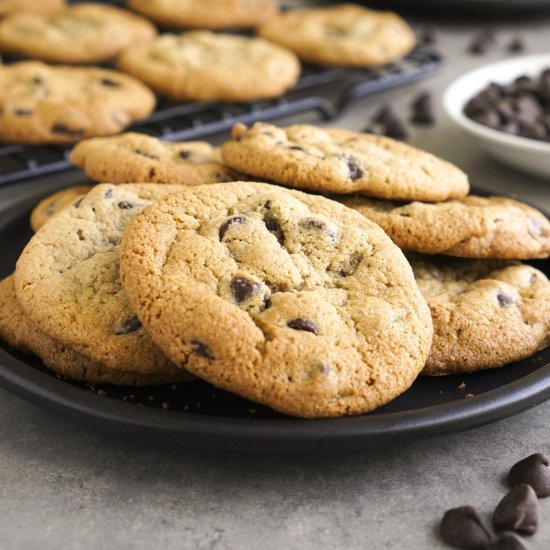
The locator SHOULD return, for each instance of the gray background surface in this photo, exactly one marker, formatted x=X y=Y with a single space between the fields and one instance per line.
x=66 y=485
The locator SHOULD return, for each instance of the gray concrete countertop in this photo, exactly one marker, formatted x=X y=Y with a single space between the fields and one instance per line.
x=64 y=485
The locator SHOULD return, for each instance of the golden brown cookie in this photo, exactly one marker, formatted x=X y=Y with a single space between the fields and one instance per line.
x=82 y=33
x=472 y=227
x=206 y=14
x=30 y=6
x=134 y=157
x=68 y=284
x=485 y=314
x=344 y=34
x=341 y=161
x=20 y=333
x=204 y=66
x=288 y=299
x=59 y=104
x=53 y=204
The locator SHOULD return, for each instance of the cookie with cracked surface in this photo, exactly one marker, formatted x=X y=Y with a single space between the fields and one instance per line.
x=67 y=280
x=206 y=14
x=288 y=299
x=342 y=35
x=137 y=157
x=486 y=314
x=342 y=161
x=40 y=103
x=472 y=227
x=83 y=33
x=21 y=334
x=53 y=204
x=31 y=6
x=204 y=66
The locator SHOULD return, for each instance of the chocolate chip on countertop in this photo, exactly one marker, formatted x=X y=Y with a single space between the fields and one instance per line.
x=383 y=114
x=534 y=471
x=395 y=129
x=517 y=44
x=302 y=324
x=422 y=111
x=428 y=36
x=481 y=43
x=518 y=511
x=508 y=541
x=465 y=527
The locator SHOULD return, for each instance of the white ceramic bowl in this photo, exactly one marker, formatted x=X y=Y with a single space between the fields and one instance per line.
x=525 y=154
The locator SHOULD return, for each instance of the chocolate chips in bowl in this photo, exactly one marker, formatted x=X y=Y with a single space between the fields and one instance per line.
x=505 y=108
x=521 y=108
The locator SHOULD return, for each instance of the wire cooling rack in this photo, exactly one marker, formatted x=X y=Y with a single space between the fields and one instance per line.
x=189 y=121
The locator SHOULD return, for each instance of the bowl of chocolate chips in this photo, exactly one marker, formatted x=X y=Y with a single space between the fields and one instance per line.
x=506 y=107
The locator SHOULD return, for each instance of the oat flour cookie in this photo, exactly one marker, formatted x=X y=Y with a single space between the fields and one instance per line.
x=20 y=333
x=137 y=157
x=83 y=33
x=205 y=66
x=344 y=34
x=285 y=298
x=53 y=204
x=68 y=284
x=485 y=314
x=45 y=104
x=37 y=6
x=472 y=227
x=341 y=161
x=206 y=14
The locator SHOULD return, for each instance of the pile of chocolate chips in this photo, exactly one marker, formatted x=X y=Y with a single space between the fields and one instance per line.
x=521 y=108
x=515 y=516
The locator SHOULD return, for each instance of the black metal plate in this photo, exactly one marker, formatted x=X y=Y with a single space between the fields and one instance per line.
x=199 y=415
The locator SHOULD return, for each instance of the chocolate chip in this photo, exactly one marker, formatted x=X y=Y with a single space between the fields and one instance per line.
x=383 y=114
x=320 y=225
x=422 y=109
x=295 y=148
x=350 y=267
x=145 y=154
x=185 y=154
x=534 y=471
x=78 y=202
x=22 y=112
x=533 y=130
x=395 y=129
x=110 y=83
x=273 y=226
x=201 y=349
x=127 y=326
x=125 y=205
x=355 y=171
x=517 y=44
x=464 y=527
x=508 y=541
x=481 y=43
x=518 y=511
x=65 y=130
x=505 y=301
x=302 y=324
x=243 y=288
x=108 y=194
x=37 y=80
x=428 y=36
x=228 y=223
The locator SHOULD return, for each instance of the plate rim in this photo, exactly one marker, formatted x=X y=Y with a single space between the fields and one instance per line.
x=284 y=435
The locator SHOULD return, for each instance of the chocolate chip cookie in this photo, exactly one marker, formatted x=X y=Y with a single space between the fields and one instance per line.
x=83 y=33
x=472 y=227
x=68 y=284
x=485 y=313
x=137 y=157
x=341 y=161
x=344 y=34
x=206 y=14
x=204 y=66
x=288 y=299
x=46 y=104
x=31 y=6
x=53 y=204
x=20 y=333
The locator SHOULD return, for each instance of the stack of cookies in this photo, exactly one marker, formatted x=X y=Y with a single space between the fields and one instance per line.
x=302 y=302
